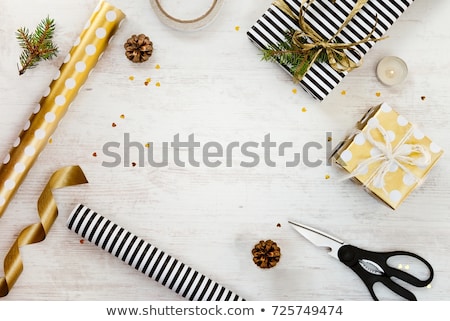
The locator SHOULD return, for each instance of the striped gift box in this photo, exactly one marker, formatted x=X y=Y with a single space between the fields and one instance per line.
x=146 y=258
x=325 y=17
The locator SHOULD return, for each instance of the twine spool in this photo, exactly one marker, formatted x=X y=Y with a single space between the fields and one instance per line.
x=187 y=24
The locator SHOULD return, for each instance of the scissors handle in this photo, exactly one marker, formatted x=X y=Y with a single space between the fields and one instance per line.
x=352 y=256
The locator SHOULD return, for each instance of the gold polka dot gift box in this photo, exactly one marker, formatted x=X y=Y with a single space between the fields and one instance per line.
x=387 y=154
x=67 y=82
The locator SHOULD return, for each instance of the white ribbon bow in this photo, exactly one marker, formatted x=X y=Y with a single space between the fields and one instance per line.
x=400 y=156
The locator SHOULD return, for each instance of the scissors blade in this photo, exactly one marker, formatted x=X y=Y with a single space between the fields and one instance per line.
x=319 y=238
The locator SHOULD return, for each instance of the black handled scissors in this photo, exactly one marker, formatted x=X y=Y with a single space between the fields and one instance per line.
x=371 y=267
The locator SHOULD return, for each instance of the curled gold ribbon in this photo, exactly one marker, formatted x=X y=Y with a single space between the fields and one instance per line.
x=48 y=211
x=316 y=45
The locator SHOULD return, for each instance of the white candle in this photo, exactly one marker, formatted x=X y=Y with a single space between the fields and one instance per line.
x=392 y=70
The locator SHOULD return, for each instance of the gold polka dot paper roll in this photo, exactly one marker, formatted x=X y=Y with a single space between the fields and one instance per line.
x=388 y=155
x=82 y=58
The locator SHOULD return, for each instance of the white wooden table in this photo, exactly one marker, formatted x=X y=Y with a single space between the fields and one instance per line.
x=213 y=85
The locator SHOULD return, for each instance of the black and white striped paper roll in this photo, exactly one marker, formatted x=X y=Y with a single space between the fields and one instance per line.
x=146 y=258
x=325 y=17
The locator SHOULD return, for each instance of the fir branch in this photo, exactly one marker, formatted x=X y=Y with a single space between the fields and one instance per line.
x=290 y=55
x=36 y=46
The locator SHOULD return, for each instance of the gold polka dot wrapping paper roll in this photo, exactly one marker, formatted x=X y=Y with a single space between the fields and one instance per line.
x=80 y=61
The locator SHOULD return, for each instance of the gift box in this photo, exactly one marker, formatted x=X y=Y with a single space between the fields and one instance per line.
x=359 y=20
x=387 y=154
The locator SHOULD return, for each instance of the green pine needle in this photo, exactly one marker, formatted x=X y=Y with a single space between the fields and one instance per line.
x=36 y=46
x=288 y=54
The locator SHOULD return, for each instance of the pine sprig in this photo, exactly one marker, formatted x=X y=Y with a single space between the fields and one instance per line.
x=288 y=54
x=36 y=46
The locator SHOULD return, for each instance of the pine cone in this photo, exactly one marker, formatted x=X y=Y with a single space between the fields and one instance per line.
x=138 y=48
x=266 y=254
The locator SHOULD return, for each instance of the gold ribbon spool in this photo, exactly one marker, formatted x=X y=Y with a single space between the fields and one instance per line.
x=188 y=24
x=48 y=212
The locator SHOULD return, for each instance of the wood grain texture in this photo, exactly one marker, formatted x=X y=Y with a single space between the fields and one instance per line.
x=213 y=85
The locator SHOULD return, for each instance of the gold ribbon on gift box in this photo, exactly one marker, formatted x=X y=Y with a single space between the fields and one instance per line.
x=311 y=45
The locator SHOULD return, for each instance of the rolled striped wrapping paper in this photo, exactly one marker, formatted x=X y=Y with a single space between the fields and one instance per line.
x=325 y=17
x=146 y=258
x=80 y=61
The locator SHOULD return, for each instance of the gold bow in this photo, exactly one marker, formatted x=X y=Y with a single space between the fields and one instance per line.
x=13 y=266
x=310 y=45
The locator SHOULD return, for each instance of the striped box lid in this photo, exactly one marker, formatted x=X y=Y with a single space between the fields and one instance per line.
x=325 y=17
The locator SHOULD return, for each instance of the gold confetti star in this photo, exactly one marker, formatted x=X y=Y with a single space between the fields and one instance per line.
x=378 y=94
x=343 y=93
x=237 y=28
x=327 y=176
x=131 y=78
x=147 y=145
x=147 y=81
x=304 y=109
x=158 y=84
x=122 y=116
x=294 y=91
x=157 y=66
